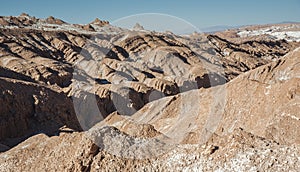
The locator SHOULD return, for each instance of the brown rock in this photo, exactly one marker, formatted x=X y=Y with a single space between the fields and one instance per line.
x=146 y=101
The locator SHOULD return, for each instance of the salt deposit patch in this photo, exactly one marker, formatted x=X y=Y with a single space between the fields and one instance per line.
x=274 y=32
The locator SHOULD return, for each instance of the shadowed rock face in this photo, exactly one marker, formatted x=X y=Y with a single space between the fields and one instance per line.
x=97 y=97
x=29 y=108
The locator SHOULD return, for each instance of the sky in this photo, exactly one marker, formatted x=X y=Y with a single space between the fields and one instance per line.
x=201 y=14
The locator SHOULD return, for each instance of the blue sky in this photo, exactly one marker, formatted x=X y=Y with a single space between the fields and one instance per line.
x=200 y=13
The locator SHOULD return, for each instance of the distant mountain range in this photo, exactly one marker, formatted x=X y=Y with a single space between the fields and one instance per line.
x=219 y=28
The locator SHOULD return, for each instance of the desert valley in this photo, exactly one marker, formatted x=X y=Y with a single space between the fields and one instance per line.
x=97 y=97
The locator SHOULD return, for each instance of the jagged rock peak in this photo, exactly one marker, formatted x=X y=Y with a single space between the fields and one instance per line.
x=53 y=20
x=99 y=22
x=137 y=26
x=24 y=15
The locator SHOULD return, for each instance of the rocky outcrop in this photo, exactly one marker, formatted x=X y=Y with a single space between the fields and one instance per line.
x=239 y=151
x=52 y=20
x=137 y=26
x=99 y=22
x=30 y=108
x=250 y=54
